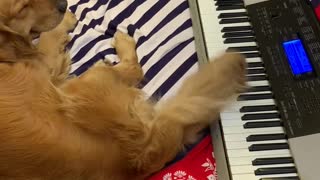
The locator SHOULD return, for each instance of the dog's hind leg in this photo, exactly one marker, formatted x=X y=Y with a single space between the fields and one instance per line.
x=53 y=45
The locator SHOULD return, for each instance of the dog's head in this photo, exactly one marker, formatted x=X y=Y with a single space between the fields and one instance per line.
x=31 y=17
x=22 y=20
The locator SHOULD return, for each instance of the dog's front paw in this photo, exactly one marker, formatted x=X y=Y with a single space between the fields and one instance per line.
x=231 y=68
x=221 y=78
x=69 y=21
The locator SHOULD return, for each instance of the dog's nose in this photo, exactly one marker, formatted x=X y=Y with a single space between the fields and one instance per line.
x=62 y=6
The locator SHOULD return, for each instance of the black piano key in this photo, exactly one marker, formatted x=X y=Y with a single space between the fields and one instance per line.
x=269 y=146
x=237 y=34
x=251 y=54
x=265 y=137
x=281 y=178
x=232 y=15
x=239 y=40
x=229 y=7
x=275 y=170
x=257 y=78
x=249 y=125
x=245 y=48
x=258 y=116
x=258 y=108
x=269 y=161
x=228 y=3
x=256 y=71
x=247 y=97
x=236 y=28
x=255 y=64
x=233 y=20
x=259 y=88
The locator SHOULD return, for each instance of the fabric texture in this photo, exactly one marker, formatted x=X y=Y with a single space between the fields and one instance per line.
x=198 y=164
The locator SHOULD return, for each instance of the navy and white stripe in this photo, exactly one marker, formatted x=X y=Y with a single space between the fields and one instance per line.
x=162 y=30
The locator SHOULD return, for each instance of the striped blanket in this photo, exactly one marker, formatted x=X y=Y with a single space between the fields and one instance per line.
x=162 y=30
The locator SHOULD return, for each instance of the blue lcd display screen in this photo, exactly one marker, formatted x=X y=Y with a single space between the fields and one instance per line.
x=297 y=57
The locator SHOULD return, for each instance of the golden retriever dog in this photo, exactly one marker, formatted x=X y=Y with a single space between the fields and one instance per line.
x=97 y=126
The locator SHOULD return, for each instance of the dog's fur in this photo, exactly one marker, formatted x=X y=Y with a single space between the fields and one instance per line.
x=97 y=126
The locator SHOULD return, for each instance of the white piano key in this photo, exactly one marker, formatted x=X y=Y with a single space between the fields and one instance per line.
x=243 y=136
x=235 y=25
x=252 y=176
x=239 y=123
x=207 y=7
x=260 y=92
x=246 y=153
x=258 y=83
x=256 y=59
x=237 y=115
x=245 y=144
x=215 y=49
x=236 y=105
x=215 y=43
x=240 y=129
x=236 y=161
x=243 y=169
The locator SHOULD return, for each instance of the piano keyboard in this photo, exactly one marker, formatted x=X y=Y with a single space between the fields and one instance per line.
x=255 y=143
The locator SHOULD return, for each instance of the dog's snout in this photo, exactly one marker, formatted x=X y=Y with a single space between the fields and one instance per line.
x=62 y=6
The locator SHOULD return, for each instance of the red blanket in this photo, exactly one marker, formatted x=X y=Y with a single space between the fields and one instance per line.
x=198 y=164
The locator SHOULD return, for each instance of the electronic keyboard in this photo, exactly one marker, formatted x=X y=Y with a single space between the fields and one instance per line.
x=272 y=131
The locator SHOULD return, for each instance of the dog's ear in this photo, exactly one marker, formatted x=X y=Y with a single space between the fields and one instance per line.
x=17 y=6
x=13 y=46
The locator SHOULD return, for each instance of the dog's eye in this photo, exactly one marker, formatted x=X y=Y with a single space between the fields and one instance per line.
x=23 y=10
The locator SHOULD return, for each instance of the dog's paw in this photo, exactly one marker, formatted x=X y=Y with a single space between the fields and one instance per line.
x=232 y=69
x=122 y=39
x=124 y=44
x=221 y=78
x=69 y=21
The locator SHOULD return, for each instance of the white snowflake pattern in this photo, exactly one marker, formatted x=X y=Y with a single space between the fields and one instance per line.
x=208 y=165
x=191 y=178
x=178 y=175
x=167 y=176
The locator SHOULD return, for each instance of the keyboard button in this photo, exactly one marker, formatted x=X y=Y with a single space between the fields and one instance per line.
x=277 y=170
x=265 y=147
x=239 y=40
x=232 y=15
x=259 y=116
x=233 y=20
x=229 y=7
x=257 y=78
x=254 y=64
x=258 y=108
x=237 y=34
x=251 y=54
x=265 y=137
x=229 y=2
x=245 y=97
x=244 y=49
x=262 y=124
x=258 y=89
x=236 y=28
x=256 y=71
x=268 y=161
x=281 y=178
